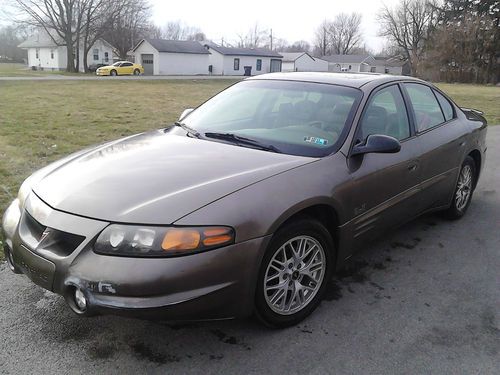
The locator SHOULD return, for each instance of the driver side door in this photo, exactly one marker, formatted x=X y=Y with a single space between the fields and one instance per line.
x=385 y=185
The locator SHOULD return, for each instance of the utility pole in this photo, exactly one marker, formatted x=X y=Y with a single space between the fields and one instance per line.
x=271 y=36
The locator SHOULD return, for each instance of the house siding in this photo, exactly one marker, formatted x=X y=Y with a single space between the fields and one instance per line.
x=224 y=64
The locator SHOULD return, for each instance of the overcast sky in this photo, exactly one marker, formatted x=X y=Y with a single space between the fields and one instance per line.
x=292 y=20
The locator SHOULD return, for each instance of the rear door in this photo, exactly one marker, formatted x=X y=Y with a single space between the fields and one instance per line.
x=442 y=140
x=386 y=186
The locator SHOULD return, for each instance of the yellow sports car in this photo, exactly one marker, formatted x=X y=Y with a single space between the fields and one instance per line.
x=120 y=68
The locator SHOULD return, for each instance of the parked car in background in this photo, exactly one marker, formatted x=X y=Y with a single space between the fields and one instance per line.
x=250 y=202
x=93 y=68
x=120 y=68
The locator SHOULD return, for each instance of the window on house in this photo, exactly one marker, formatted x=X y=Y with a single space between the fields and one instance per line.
x=96 y=54
x=259 y=64
x=350 y=67
x=236 y=64
x=37 y=53
x=106 y=56
x=52 y=54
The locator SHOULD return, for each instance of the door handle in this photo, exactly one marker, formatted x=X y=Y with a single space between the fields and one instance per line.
x=412 y=167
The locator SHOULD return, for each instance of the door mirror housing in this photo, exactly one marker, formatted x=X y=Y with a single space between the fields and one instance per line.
x=377 y=143
x=185 y=113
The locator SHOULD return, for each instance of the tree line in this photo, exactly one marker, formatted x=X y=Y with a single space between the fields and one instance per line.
x=452 y=40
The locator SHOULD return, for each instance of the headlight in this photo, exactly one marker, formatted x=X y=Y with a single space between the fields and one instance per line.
x=139 y=241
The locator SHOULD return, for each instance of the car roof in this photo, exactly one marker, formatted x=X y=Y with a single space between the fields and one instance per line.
x=356 y=80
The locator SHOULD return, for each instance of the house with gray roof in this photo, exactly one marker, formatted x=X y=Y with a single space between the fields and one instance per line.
x=349 y=63
x=231 y=61
x=302 y=62
x=171 y=57
x=50 y=53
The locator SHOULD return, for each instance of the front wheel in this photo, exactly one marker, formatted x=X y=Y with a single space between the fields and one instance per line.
x=294 y=273
x=464 y=188
x=113 y=73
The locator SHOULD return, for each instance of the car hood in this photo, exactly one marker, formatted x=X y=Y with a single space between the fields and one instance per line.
x=156 y=177
x=106 y=67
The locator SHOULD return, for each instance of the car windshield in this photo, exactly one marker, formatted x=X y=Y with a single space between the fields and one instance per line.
x=117 y=64
x=299 y=118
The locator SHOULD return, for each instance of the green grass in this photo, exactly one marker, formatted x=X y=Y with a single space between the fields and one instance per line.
x=43 y=121
x=481 y=97
x=21 y=70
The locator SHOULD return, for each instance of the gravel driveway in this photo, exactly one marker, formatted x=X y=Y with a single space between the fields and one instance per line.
x=425 y=300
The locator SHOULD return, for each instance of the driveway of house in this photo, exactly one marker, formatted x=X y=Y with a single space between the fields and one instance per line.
x=425 y=300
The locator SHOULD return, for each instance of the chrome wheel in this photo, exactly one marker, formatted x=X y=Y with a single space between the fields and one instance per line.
x=294 y=275
x=464 y=188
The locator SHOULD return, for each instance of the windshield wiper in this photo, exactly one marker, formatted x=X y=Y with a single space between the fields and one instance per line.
x=188 y=129
x=233 y=138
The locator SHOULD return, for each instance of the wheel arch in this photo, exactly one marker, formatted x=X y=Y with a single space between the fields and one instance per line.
x=476 y=156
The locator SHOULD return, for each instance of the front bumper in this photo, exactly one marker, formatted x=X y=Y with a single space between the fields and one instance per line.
x=97 y=73
x=216 y=284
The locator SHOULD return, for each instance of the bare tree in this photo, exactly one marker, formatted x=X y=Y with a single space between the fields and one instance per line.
x=254 y=38
x=322 y=38
x=345 y=33
x=409 y=26
x=177 y=30
x=10 y=37
x=298 y=46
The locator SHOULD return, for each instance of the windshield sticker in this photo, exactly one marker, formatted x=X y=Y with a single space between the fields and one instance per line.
x=317 y=141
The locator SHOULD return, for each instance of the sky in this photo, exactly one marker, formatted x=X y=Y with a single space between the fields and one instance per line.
x=292 y=20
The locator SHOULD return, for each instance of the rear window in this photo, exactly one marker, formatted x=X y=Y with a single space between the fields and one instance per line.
x=445 y=106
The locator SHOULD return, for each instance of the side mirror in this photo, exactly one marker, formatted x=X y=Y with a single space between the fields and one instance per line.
x=185 y=113
x=377 y=143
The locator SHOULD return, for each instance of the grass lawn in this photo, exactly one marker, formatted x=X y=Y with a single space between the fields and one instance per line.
x=21 y=70
x=43 y=121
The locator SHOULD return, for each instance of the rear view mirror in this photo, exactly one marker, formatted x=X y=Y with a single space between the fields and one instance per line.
x=377 y=143
x=185 y=113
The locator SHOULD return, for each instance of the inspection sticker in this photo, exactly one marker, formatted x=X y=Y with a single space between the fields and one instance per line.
x=318 y=141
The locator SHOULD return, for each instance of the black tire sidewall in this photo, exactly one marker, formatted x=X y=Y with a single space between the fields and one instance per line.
x=453 y=212
x=308 y=227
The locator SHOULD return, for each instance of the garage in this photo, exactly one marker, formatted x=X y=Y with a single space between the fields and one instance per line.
x=147 y=61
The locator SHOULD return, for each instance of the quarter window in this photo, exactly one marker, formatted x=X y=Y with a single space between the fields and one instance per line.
x=236 y=64
x=445 y=106
x=259 y=64
x=425 y=105
x=386 y=114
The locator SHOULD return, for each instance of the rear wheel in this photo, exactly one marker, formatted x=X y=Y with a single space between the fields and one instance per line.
x=113 y=73
x=462 y=195
x=294 y=272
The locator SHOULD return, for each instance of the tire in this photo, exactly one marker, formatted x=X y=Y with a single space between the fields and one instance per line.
x=137 y=72
x=300 y=293
x=462 y=194
x=113 y=73
x=10 y=260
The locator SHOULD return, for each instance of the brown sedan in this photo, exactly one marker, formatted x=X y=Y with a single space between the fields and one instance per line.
x=250 y=202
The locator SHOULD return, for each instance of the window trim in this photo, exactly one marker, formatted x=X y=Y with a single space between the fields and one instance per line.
x=368 y=101
x=413 y=111
x=236 y=64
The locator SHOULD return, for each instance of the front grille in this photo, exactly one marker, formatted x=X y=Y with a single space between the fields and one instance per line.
x=45 y=239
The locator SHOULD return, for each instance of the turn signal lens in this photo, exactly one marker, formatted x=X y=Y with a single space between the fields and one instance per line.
x=217 y=236
x=181 y=239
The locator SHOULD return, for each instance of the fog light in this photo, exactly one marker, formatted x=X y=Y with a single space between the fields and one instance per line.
x=80 y=300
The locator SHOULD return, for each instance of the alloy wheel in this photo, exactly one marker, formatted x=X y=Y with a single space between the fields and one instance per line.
x=464 y=188
x=294 y=275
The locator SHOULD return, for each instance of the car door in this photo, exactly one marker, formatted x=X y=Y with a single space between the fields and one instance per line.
x=442 y=139
x=127 y=68
x=385 y=185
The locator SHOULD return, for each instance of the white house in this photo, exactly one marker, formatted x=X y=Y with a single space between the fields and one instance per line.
x=389 y=66
x=349 y=63
x=44 y=53
x=171 y=57
x=232 y=61
x=302 y=62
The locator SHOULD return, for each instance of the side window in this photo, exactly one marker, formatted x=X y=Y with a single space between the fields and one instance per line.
x=445 y=106
x=386 y=114
x=427 y=110
x=127 y=64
